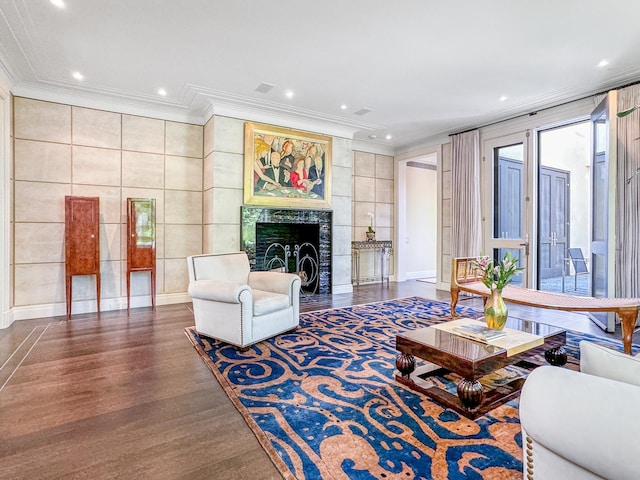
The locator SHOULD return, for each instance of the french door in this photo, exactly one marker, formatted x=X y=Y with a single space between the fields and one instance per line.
x=507 y=203
x=603 y=167
x=553 y=215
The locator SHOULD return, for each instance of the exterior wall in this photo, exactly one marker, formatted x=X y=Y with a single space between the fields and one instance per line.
x=223 y=195
x=372 y=194
x=66 y=150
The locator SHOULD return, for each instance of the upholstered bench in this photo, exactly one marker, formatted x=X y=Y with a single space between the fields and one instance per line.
x=466 y=278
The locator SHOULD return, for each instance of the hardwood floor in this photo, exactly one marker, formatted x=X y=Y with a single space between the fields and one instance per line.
x=128 y=397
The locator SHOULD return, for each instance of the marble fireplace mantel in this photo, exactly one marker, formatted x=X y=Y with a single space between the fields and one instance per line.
x=252 y=216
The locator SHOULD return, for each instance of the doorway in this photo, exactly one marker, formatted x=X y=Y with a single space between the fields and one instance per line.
x=564 y=208
x=417 y=199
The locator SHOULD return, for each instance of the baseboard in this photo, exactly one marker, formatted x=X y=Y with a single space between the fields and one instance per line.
x=423 y=274
x=89 y=306
x=338 y=289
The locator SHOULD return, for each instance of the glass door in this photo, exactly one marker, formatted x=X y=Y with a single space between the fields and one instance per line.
x=603 y=167
x=506 y=227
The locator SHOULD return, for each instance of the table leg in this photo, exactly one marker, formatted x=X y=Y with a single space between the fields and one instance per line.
x=470 y=393
x=69 y=286
x=406 y=364
x=384 y=258
x=556 y=356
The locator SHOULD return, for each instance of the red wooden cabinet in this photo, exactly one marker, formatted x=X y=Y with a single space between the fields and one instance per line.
x=82 y=242
x=141 y=242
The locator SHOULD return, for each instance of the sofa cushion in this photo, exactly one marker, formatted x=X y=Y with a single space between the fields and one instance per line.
x=607 y=363
x=267 y=302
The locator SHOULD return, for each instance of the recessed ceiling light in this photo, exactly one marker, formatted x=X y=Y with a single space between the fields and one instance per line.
x=77 y=75
x=288 y=94
x=603 y=63
x=58 y=3
x=162 y=91
x=503 y=98
x=388 y=137
x=343 y=106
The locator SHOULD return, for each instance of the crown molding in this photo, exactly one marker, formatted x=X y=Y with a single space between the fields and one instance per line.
x=198 y=105
x=214 y=102
x=6 y=74
x=111 y=102
x=372 y=147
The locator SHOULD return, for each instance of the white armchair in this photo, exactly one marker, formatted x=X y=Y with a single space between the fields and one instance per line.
x=237 y=306
x=582 y=425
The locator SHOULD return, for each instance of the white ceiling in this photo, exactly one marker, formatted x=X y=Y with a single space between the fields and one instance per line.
x=425 y=68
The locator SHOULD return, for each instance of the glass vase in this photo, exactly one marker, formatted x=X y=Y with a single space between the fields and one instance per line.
x=495 y=310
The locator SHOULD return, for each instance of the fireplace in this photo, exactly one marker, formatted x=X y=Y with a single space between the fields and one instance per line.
x=294 y=241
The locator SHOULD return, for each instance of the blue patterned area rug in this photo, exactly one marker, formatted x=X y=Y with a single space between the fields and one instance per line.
x=324 y=404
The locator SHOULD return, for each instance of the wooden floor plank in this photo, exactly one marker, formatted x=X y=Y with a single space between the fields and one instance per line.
x=128 y=397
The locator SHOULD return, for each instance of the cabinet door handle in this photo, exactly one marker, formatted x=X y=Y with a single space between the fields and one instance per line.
x=93 y=236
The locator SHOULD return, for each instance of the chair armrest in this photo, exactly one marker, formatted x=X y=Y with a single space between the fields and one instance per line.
x=589 y=421
x=218 y=291
x=285 y=283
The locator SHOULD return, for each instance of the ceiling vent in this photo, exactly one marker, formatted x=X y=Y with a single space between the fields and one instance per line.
x=264 y=87
x=362 y=111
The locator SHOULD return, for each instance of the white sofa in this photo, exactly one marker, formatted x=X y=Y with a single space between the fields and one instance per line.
x=237 y=306
x=583 y=425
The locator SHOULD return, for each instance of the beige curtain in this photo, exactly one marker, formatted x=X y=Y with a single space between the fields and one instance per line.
x=465 y=209
x=628 y=196
x=598 y=98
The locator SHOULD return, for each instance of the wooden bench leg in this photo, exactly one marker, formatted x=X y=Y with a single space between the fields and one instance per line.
x=454 y=301
x=628 y=318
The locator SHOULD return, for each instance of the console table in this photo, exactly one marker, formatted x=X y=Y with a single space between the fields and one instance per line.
x=381 y=247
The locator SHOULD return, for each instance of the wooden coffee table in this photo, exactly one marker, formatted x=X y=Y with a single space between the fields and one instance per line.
x=447 y=352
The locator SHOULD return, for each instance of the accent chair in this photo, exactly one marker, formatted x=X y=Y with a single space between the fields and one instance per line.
x=579 y=264
x=582 y=425
x=238 y=306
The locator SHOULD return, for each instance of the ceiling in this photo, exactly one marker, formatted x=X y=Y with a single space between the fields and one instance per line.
x=423 y=68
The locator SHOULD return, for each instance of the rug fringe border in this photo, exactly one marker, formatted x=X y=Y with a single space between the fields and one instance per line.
x=251 y=423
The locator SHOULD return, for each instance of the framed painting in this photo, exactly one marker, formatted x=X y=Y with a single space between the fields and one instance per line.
x=286 y=168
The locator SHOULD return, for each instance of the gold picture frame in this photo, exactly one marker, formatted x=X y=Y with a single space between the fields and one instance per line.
x=286 y=168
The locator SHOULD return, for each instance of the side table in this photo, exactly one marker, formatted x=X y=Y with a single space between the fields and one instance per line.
x=382 y=246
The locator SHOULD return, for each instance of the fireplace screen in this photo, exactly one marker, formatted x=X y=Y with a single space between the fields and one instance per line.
x=293 y=241
x=290 y=248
